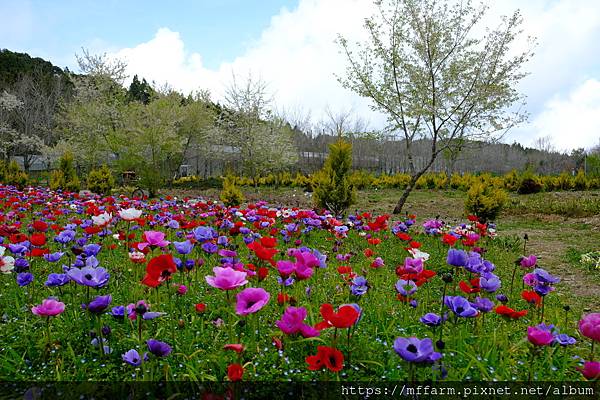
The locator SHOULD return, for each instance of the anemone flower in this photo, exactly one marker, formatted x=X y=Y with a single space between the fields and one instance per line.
x=251 y=300
x=456 y=258
x=153 y=239
x=590 y=370
x=89 y=276
x=589 y=326
x=415 y=350
x=133 y=358
x=292 y=322
x=49 y=308
x=159 y=269
x=431 y=319
x=226 y=278
x=130 y=214
x=158 y=348
x=460 y=306
x=406 y=288
x=539 y=335
x=99 y=304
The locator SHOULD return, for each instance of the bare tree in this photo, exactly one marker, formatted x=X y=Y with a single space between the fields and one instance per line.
x=423 y=68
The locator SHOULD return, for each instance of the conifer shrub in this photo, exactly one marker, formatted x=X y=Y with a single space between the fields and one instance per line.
x=65 y=177
x=101 y=180
x=332 y=188
x=231 y=195
x=485 y=201
x=13 y=175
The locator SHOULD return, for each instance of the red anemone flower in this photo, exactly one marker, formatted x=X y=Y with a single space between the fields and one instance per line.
x=509 y=312
x=262 y=252
x=448 y=239
x=235 y=372
x=328 y=357
x=467 y=288
x=531 y=297
x=159 y=269
x=344 y=318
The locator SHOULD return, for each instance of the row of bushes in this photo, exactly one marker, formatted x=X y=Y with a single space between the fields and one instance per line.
x=99 y=180
x=514 y=181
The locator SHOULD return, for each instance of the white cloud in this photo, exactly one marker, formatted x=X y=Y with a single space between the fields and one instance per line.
x=297 y=56
x=572 y=121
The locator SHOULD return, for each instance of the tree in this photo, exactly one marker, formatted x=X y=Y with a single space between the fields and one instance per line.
x=264 y=140
x=424 y=68
x=140 y=91
x=33 y=120
x=93 y=122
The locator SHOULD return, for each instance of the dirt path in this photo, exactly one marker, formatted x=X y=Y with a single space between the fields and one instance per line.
x=552 y=243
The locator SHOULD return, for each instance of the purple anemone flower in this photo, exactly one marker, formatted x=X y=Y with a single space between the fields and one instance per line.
x=456 y=258
x=158 y=348
x=183 y=247
x=431 y=319
x=406 y=288
x=359 y=286
x=55 y=280
x=543 y=276
x=203 y=233
x=483 y=304
x=53 y=257
x=92 y=249
x=88 y=276
x=460 y=306
x=209 y=247
x=416 y=350
x=24 y=279
x=65 y=236
x=564 y=340
x=99 y=304
x=489 y=282
x=292 y=322
x=132 y=357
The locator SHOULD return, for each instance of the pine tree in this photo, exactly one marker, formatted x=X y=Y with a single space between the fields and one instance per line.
x=333 y=190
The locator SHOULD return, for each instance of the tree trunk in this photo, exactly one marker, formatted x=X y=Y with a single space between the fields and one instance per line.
x=410 y=187
x=404 y=197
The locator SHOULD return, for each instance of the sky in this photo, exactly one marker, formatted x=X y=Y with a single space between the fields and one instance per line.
x=289 y=44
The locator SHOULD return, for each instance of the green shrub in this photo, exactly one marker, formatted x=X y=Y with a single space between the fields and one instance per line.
x=100 y=180
x=65 y=177
x=529 y=183
x=333 y=189
x=485 y=202
x=13 y=175
x=2 y=171
x=231 y=195
x=580 y=182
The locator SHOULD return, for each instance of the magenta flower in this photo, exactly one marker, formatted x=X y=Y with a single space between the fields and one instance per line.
x=591 y=370
x=48 y=308
x=285 y=267
x=413 y=265
x=251 y=300
x=589 y=326
x=226 y=278
x=153 y=238
x=292 y=322
x=529 y=261
x=539 y=337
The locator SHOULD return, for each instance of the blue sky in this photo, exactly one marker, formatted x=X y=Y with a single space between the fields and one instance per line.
x=290 y=45
x=57 y=29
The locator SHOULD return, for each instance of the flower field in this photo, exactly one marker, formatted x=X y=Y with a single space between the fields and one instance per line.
x=114 y=289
